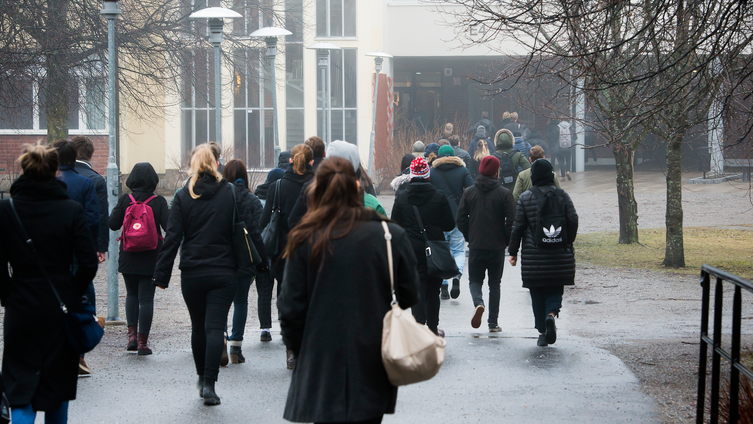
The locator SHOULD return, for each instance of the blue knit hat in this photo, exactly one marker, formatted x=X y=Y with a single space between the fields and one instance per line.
x=431 y=148
x=275 y=175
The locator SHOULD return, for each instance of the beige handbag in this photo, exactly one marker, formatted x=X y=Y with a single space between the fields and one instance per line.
x=411 y=353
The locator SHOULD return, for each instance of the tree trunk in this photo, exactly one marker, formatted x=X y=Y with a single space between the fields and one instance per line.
x=674 y=255
x=57 y=101
x=626 y=204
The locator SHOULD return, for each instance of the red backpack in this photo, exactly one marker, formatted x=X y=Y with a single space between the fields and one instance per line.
x=139 y=230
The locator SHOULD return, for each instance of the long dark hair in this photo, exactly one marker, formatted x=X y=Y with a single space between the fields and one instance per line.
x=235 y=170
x=334 y=209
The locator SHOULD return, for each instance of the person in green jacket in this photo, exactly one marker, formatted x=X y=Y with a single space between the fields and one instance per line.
x=524 y=178
x=503 y=142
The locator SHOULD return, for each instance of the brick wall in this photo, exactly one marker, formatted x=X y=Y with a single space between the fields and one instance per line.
x=11 y=147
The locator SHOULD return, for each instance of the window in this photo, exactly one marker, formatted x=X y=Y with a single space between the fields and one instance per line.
x=335 y=18
x=342 y=105
x=252 y=114
x=294 y=74
x=198 y=113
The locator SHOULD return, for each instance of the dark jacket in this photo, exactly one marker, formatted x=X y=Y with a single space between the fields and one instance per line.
x=85 y=169
x=39 y=365
x=290 y=185
x=250 y=209
x=401 y=182
x=473 y=146
x=486 y=214
x=516 y=127
x=317 y=161
x=536 y=139
x=435 y=212
x=450 y=176
x=462 y=154
x=205 y=226
x=142 y=182
x=490 y=129
x=552 y=132
x=81 y=189
x=339 y=376
x=542 y=267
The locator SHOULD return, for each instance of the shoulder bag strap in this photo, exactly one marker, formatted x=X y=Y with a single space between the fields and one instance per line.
x=276 y=205
x=236 y=218
x=455 y=195
x=420 y=223
x=30 y=243
x=388 y=239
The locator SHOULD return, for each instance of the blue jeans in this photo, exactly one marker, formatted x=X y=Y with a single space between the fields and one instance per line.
x=457 y=247
x=240 y=307
x=545 y=300
x=27 y=415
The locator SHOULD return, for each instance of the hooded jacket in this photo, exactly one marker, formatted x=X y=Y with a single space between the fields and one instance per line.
x=205 y=226
x=504 y=143
x=552 y=132
x=450 y=176
x=85 y=169
x=486 y=214
x=82 y=190
x=401 y=182
x=142 y=182
x=435 y=212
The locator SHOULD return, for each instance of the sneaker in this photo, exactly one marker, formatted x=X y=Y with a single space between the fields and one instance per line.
x=455 y=292
x=551 y=330
x=476 y=320
x=494 y=328
x=542 y=340
x=444 y=294
x=266 y=336
x=83 y=369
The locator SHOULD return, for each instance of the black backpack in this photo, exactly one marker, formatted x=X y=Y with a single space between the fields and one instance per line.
x=551 y=223
x=508 y=172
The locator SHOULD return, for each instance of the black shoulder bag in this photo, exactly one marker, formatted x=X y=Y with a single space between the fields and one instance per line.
x=271 y=234
x=439 y=260
x=454 y=195
x=246 y=255
x=82 y=328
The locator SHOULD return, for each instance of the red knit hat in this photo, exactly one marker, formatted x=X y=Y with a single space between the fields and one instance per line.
x=489 y=166
x=419 y=168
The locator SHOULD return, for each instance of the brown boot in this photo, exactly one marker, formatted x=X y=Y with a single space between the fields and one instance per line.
x=291 y=359
x=142 y=347
x=132 y=344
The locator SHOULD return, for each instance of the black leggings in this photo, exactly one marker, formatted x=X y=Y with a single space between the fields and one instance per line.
x=264 y=285
x=427 y=309
x=208 y=300
x=139 y=304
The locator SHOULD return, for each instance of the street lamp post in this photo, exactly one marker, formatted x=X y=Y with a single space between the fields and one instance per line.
x=378 y=58
x=111 y=11
x=270 y=35
x=322 y=54
x=215 y=16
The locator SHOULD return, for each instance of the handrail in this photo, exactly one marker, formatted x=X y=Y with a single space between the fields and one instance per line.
x=715 y=342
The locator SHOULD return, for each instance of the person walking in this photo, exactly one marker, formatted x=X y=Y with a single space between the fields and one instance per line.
x=272 y=177
x=523 y=182
x=333 y=302
x=317 y=147
x=459 y=152
x=450 y=176
x=480 y=135
x=402 y=180
x=485 y=216
x=509 y=159
x=481 y=152
x=418 y=149
x=515 y=127
x=138 y=267
x=202 y=216
x=423 y=199
x=548 y=258
x=84 y=151
x=40 y=367
x=235 y=172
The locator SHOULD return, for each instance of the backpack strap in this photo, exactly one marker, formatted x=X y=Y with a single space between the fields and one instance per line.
x=133 y=200
x=455 y=195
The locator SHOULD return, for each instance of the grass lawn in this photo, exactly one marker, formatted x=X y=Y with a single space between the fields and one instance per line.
x=727 y=249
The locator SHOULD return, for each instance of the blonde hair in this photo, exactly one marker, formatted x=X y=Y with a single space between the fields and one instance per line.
x=202 y=162
x=506 y=115
x=482 y=151
x=301 y=155
x=39 y=161
x=448 y=127
x=514 y=116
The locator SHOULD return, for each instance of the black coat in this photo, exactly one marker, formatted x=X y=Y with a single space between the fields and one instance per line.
x=542 y=267
x=486 y=214
x=552 y=131
x=205 y=226
x=291 y=185
x=142 y=181
x=85 y=169
x=331 y=317
x=454 y=178
x=39 y=365
x=435 y=212
x=251 y=208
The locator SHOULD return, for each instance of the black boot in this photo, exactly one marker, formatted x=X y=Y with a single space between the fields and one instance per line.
x=210 y=397
x=200 y=386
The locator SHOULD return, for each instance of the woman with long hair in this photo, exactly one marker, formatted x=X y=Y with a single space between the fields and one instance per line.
x=235 y=172
x=40 y=367
x=334 y=296
x=202 y=218
x=482 y=151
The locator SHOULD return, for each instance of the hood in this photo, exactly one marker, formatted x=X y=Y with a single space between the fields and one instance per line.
x=206 y=186
x=345 y=150
x=485 y=183
x=25 y=188
x=447 y=160
x=420 y=191
x=503 y=139
x=406 y=161
x=143 y=178
x=541 y=173
x=564 y=125
x=399 y=181
x=292 y=176
x=283 y=161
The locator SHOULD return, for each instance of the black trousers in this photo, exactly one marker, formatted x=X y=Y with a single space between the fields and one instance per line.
x=481 y=261
x=139 y=304
x=208 y=300
x=545 y=300
x=264 y=286
x=427 y=309
x=564 y=159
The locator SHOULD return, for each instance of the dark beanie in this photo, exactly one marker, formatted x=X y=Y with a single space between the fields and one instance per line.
x=489 y=166
x=432 y=148
x=541 y=173
x=275 y=175
x=405 y=163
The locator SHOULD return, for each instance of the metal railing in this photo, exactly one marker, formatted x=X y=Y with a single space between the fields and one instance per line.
x=718 y=352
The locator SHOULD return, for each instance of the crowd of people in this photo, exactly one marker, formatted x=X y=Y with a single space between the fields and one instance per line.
x=311 y=223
